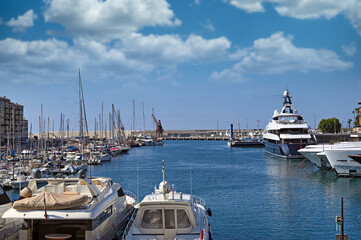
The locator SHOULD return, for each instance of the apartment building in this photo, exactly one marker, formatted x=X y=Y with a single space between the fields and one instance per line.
x=13 y=125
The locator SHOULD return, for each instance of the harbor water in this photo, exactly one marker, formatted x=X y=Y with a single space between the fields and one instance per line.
x=251 y=195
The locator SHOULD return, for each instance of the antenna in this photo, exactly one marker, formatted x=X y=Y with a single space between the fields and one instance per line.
x=190 y=175
x=163 y=171
x=137 y=181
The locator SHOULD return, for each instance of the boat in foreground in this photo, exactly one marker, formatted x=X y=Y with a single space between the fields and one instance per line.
x=76 y=208
x=167 y=214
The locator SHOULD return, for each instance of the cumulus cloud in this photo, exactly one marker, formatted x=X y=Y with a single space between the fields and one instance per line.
x=277 y=54
x=23 y=22
x=110 y=19
x=350 y=50
x=135 y=55
x=171 y=49
x=307 y=9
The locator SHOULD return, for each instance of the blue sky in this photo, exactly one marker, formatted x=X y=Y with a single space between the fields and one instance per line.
x=195 y=62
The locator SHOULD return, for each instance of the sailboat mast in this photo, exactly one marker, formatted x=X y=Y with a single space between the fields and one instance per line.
x=81 y=115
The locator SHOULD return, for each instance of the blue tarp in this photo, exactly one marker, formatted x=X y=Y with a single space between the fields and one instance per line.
x=73 y=148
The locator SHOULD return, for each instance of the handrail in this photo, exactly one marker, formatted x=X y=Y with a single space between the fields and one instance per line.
x=129 y=224
x=199 y=200
x=130 y=194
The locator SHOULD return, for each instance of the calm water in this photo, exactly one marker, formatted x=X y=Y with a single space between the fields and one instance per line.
x=252 y=195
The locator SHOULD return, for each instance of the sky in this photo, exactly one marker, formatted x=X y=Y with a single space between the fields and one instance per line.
x=199 y=64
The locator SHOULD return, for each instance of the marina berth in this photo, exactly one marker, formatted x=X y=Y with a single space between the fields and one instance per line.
x=167 y=214
x=287 y=132
x=82 y=208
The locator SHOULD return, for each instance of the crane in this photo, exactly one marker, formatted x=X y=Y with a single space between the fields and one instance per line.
x=159 y=129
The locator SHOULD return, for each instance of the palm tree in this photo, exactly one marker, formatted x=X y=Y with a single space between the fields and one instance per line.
x=349 y=123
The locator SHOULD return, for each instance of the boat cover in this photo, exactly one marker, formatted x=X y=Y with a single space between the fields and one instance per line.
x=53 y=201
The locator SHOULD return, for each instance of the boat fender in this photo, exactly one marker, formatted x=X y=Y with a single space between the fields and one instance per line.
x=209 y=211
x=82 y=174
x=120 y=192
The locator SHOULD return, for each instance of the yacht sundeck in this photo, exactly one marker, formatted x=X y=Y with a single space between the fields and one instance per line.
x=167 y=214
x=78 y=208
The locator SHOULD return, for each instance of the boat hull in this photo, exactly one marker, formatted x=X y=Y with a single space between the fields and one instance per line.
x=287 y=151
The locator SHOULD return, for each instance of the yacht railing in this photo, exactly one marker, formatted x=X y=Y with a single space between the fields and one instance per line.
x=199 y=200
x=130 y=194
x=129 y=224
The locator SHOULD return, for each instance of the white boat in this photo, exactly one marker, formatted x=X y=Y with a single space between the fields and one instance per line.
x=79 y=208
x=167 y=214
x=20 y=182
x=287 y=132
x=9 y=228
x=314 y=154
x=342 y=163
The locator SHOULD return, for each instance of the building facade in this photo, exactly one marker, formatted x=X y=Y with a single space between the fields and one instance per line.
x=13 y=125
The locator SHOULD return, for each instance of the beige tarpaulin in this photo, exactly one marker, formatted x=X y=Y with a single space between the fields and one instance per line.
x=54 y=201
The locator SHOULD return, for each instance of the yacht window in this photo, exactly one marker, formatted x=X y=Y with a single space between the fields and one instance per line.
x=182 y=219
x=169 y=218
x=152 y=219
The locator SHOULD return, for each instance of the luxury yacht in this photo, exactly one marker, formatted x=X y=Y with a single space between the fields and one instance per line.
x=316 y=153
x=167 y=214
x=342 y=161
x=72 y=208
x=287 y=132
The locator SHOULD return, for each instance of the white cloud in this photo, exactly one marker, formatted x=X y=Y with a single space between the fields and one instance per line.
x=197 y=2
x=22 y=22
x=350 y=50
x=208 y=25
x=249 y=5
x=136 y=56
x=171 y=49
x=277 y=54
x=110 y=19
x=307 y=9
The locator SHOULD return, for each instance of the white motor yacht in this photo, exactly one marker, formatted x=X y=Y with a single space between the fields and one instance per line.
x=167 y=214
x=73 y=208
x=342 y=163
x=287 y=132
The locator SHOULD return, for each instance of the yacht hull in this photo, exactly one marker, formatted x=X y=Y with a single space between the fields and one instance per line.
x=287 y=151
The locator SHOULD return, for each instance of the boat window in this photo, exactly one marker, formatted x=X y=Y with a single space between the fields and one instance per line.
x=169 y=218
x=152 y=219
x=182 y=219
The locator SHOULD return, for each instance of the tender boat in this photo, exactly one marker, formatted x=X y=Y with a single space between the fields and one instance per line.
x=167 y=214
x=76 y=208
x=287 y=132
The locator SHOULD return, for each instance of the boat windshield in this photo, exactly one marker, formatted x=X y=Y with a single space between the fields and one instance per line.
x=153 y=219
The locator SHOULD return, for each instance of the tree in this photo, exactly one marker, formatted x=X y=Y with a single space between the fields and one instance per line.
x=349 y=123
x=356 y=122
x=330 y=125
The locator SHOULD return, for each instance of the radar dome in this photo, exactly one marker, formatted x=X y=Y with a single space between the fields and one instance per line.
x=286 y=93
x=275 y=113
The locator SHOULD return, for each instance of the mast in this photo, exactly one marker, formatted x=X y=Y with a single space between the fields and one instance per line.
x=81 y=117
x=133 y=115
x=143 y=118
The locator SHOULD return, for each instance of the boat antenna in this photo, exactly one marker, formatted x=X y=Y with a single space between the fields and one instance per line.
x=163 y=171
x=190 y=175
x=137 y=181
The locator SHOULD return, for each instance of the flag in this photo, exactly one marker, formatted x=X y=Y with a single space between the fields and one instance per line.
x=45 y=214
